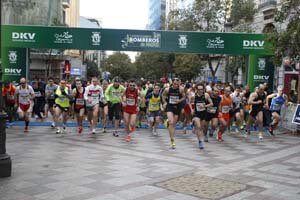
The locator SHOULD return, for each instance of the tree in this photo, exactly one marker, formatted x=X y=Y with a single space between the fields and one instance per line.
x=187 y=66
x=119 y=64
x=92 y=69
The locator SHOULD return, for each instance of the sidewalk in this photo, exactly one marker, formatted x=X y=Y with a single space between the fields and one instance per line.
x=100 y=167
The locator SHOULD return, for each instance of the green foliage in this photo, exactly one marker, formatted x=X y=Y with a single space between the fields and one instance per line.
x=119 y=64
x=242 y=11
x=92 y=69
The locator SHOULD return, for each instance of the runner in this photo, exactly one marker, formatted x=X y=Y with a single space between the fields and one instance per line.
x=79 y=104
x=24 y=96
x=130 y=108
x=172 y=97
x=8 y=93
x=186 y=112
x=202 y=101
x=224 y=110
x=39 y=100
x=212 y=112
x=103 y=106
x=92 y=95
x=142 y=103
x=278 y=99
x=113 y=95
x=154 y=108
x=257 y=101
x=62 y=105
x=238 y=112
x=50 y=98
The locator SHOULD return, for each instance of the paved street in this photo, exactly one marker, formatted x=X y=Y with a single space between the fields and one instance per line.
x=102 y=167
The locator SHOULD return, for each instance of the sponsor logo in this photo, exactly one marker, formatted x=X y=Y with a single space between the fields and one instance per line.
x=96 y=38
x=261 y=64
x=253 y=44
x=64 y=38
x=215 y=43
x=12 y=72
x=261 y=77
x=12 y=57
x=23 y=37
x=150 y=41
x=182 y=41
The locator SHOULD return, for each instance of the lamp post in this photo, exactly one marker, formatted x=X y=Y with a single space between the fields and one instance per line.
x=5 y=161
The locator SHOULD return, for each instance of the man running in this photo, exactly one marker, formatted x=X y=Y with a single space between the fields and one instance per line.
x=103 y=106
x=130 y=108
x=50 y=98
x=238 y=112
x=224 y=110
x=257 y=100
x=79 y=104
x=154 y=102
x=172 y=98
x=278 y=100
x=8 y=93
x=62 y=105
x=24 y=96
x=113 y=95
x=202 y=101
x=92 y=96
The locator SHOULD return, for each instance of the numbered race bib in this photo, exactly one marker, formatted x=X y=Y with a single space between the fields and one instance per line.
x=51 y=96
x=212 y=110
x=130 y=102
x=173 y=99
x=154 y=106
x=200 y=107
x=10 y=97
x=115 y=94
x=37 y=94
x=225 y=109
x=276 y=107
x=80 y=102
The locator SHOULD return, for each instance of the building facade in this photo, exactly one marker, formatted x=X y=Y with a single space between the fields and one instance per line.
x=157 y=14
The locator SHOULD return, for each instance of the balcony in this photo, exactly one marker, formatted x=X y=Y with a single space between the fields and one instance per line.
x=266 y=5
x=66 y=3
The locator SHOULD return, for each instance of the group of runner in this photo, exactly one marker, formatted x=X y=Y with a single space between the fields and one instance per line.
x=210 y=109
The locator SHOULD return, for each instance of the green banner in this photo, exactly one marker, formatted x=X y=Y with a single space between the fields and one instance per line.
x=134 y=40
x=260 y=70
x=14 y=64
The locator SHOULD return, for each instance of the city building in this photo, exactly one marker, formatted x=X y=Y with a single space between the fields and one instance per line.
x=157 y=14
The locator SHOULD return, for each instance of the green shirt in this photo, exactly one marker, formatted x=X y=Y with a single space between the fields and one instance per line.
x=113 y=94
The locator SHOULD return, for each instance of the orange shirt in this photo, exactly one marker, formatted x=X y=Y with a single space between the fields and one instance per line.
x=11 y=90
x=226 y=104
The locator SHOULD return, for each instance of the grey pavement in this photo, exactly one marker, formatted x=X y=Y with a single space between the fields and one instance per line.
x=91 y=167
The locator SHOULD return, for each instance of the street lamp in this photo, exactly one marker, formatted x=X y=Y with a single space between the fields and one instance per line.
x=5 y=161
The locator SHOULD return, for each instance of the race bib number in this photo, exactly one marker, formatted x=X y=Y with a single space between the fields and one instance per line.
x=51 y=96
x=276 y=107
x=80 y=102
x=37 y=94
x=225 y=109
x=212 y=110
x=154 y=106
x=115 y=94
x=10 y=97
x=173 y=99
x=200 y=107
x=130 y=102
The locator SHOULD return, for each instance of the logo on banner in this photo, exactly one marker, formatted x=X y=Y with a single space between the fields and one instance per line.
x=12 y=57
x=23 y=37
x=96 y=38
x=151 y=41
x=182 y=41
x=12 y=72
x=261 y=77
x=253 y=44
x=215 y=43
x=64 y=38
x=261 y=64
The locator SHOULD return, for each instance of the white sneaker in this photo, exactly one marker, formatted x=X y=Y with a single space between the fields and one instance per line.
x=154 y=131
x=57 y=130
x=52 y=125
x=260 y=136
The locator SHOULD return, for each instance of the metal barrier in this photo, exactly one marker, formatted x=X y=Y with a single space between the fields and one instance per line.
x=287 y=114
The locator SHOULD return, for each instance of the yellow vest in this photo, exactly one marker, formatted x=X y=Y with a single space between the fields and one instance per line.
x=154 y=103
x=62 y=100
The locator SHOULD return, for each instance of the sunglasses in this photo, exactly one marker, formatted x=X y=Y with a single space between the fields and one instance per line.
x=176 y=79
x=131 y=85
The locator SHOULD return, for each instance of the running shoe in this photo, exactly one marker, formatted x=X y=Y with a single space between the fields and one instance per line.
x=115 y=133
x=173 y=145
x=242 y=127
x=154 y=133
x=57 y=130
x=26 y=129
x=220 y=138
x=201 y=145
x=128 y=138
x=94 y=131
x=184 y=130
x=271 y=131
x=80 y=129
x=211 y=133
x=64 y=128
x=52 y=125
x=205 y=138
x=132 y=129
x=104 y=130
x=260 y=135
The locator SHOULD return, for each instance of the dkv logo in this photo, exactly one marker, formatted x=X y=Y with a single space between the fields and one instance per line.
x=253 y=44
x=12 y=72
x=23 y=37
